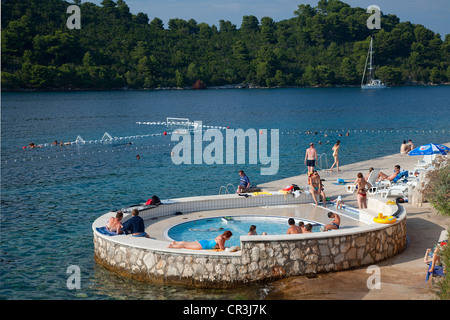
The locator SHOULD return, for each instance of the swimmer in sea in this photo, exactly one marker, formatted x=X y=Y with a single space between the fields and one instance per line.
x=217 y=243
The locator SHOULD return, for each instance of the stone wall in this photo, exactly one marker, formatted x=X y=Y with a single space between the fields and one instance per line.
x=257 y=261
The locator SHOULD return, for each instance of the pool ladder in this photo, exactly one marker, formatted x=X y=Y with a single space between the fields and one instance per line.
x=320 y=163
x=226 y=188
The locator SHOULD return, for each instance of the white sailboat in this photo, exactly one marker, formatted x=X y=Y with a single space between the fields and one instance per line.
x=371 y=82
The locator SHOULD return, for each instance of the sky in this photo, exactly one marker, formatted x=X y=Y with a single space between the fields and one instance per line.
x=433 y=14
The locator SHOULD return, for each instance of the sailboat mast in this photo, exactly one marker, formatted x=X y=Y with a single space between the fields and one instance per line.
x=370 y=62
x=365 y=66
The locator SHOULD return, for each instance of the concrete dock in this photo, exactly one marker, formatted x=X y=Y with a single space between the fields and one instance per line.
x=402 y=277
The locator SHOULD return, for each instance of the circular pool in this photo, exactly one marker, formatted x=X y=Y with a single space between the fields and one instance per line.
x=210 y=228
x=360 y=241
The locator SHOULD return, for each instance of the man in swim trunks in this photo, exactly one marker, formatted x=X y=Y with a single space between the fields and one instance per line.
x=383 y=176
x=311 y=157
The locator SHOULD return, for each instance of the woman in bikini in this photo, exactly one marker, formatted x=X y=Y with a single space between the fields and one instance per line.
x=335 y=156
x=361 y=183
x=316 y=187
x=217 y=243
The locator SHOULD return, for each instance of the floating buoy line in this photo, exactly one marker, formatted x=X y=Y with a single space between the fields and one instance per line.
x=107 y=139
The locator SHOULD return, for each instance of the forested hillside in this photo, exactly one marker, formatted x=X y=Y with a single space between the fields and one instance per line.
x=323 y=45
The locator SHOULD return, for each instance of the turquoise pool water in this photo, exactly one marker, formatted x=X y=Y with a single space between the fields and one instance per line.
x=207 y=229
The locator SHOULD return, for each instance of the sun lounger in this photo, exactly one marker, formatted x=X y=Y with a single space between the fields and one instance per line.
x=394 y=189
x=426 y=161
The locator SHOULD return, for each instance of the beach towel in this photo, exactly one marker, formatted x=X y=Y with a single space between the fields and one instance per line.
x=438 y=271
x=106 y=232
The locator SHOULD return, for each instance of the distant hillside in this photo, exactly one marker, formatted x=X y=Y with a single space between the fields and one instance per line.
x=324 y=45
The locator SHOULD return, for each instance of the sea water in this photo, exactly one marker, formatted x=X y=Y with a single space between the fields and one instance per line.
x=51 y=195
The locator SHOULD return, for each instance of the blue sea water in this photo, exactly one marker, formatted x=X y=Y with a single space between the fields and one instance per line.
x=51 y=195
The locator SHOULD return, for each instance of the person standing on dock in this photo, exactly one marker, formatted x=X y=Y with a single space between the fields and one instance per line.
x=311 y=157
x=335 y=156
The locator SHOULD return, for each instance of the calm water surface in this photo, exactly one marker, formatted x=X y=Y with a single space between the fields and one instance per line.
x=51 y=195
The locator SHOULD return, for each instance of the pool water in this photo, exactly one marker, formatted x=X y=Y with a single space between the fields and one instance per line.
x=208 y=229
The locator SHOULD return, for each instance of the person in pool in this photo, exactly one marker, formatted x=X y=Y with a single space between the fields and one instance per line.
x=217 y=243
x=252 y=231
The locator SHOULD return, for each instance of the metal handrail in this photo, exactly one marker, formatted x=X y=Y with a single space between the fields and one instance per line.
x=226 y=188
x=320 y=163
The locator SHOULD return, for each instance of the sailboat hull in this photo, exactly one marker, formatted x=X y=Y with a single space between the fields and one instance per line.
x=376 y=86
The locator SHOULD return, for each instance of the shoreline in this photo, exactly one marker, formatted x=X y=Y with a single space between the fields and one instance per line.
x=402 y=277
x=222 y=87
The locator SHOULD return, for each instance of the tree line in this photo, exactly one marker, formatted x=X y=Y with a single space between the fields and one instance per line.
x=324 y=45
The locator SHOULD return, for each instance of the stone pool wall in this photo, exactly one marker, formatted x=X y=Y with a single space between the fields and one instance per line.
x=262 y=258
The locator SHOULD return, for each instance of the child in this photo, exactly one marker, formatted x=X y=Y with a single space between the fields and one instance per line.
x=334 y=224
x=339 y=202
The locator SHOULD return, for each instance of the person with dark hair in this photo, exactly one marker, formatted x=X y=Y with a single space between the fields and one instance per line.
x=252 y=231
x=244 y=182
x=334 y=224
x=135 y=225
x=361 y=183
x=316 y=187
x=293 y=229
x=393 y=177
x=114 y=224
x=217 y=243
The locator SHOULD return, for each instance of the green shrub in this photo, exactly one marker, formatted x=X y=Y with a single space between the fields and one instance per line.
x=444 y=284
x=437 y=191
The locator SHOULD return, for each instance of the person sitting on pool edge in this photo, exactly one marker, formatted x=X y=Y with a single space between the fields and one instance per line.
x=244 y=182
x=217 y=243
x=334 y=224
x=135 y=225
x=114 y=224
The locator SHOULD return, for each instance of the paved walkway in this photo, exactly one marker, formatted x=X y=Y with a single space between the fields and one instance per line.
x=402 y=277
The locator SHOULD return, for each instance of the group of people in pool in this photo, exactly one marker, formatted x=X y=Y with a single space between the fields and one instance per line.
x=219 y=241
